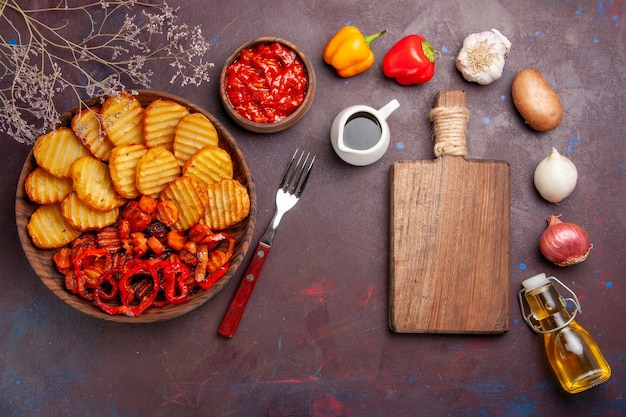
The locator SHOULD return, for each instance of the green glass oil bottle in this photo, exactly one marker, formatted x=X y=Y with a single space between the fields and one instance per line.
x=573 y=354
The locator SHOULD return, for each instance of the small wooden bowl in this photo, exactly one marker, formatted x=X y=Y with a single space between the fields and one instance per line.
x=290 y=120
x=41 y=260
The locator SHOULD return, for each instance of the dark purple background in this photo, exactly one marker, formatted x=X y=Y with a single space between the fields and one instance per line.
x=315 y=339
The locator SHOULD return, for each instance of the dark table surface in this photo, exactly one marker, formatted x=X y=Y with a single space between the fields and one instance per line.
x=315 y=339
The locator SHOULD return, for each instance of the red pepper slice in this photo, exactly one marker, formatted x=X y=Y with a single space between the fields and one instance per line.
x=219 y=262
x=83 y=260
x=213 y=277
x=231 y=246
x=410 y=61
x=217 y=258
x=109 y=277
x=174 y=277
x=108 y=281
x=128 y=293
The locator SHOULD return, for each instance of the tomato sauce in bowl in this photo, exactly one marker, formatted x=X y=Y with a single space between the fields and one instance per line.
x=267 y=85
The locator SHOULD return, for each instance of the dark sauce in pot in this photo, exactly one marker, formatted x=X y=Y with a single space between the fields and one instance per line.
x=361 y=132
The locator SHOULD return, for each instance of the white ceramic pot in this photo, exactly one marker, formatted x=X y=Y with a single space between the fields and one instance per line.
x=360 y=134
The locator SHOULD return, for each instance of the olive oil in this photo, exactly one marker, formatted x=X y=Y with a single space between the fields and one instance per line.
x=361 y=131
x=573 y=354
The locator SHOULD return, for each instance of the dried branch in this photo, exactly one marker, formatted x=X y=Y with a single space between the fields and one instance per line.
x=40 y=57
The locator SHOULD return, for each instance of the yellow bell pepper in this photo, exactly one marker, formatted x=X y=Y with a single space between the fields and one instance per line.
x=349 y=52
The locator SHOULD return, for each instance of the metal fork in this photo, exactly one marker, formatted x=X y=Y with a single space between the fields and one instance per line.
x=289 y=191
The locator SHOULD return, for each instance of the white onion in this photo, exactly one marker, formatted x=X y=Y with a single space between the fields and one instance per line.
x=555 y=177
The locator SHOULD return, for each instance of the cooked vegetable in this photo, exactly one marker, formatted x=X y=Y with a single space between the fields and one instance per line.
x=481 y=59
x=349 y=52
x=193 y=132
x=125 y=271
x=122 y=119
x=123 y=163
x=92 y=182
x=45 y=188
x=86 y=127
x=49 y=229
x=55 y=151
x=82 y=217
x=535 y=100
x=160 y=119
x=137 y=256
x=156 y=169
x=410 y=61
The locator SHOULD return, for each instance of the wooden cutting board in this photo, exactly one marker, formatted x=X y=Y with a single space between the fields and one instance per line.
x=450 y=234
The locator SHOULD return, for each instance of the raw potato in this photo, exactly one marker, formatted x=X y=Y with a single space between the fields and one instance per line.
x=535 y=100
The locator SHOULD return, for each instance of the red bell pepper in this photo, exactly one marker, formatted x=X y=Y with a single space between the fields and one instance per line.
x=108 y=284
x=133 y=304
x=174 y=275
x=215 y=276
x=410 y=61
x=97 y=258
x=109 y=278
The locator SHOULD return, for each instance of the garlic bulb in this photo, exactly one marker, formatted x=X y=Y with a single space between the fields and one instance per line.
x=481 y=59
x=555 y=177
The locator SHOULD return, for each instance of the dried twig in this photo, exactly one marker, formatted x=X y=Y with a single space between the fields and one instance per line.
x=42 y=63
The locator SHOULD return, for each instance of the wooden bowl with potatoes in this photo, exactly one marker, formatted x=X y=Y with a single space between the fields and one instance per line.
x=239 y=233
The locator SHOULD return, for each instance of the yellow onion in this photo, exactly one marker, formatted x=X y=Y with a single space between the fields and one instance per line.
x=564 y=244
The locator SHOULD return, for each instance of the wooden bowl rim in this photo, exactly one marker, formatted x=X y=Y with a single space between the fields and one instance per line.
x=290 y=120
x=41 y=260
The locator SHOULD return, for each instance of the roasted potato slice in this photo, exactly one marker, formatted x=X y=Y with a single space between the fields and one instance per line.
x=122 y=119
x=57 y=150
x=194 y=132
x=123 y=168
x=155 y=170
x=86 y=127
x=44 y=188
x=48 y=229
x=210 y=164
x=160 y=119
x=82 y=217
x=190 y=196
x=229 y=203
x=93 y=184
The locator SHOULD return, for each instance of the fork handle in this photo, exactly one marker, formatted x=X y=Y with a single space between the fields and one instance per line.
x=237 y=306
